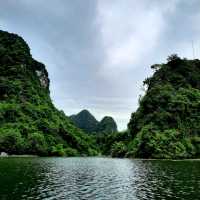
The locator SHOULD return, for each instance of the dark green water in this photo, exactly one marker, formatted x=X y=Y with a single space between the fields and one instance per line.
x=98 y=178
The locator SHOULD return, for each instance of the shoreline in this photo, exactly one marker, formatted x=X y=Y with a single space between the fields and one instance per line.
x=147 y=159
x=19 y=156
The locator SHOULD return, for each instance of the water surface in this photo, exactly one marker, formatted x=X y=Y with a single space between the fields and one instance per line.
x=98 y=178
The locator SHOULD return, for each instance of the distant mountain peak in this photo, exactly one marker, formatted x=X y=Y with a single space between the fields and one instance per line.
x=85 y=112
x=86 y=121
x=107 y=124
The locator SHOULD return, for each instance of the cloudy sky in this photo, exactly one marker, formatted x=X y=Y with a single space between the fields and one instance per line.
x=98 y=52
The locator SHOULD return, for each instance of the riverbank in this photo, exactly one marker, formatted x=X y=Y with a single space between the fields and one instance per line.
x=143 y=159
x=17 y=156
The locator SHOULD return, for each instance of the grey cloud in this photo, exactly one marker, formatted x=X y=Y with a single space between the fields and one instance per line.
x=98 y=52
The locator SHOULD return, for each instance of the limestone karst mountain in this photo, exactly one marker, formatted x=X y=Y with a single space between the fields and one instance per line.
x=167 y=122
x=86 y=121
x=29 y=122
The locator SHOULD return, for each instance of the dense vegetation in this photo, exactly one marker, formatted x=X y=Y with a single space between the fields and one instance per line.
x=167 y=122
x=29 y=122
x=113 y=144
x=87 y=122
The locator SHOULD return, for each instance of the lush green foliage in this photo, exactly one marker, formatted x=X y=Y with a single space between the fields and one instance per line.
x=167 y=122
x=110 y=143
x=87 y=122
x=29 y=122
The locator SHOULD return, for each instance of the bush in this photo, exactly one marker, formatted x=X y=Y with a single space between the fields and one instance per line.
x=37 y=144
x=59 y=150
x=118 y=149
x=11 y=141
x=70 y=152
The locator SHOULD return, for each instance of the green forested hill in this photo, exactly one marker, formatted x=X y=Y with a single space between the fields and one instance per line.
x=87 y=122
x=167 y=122
x=29 y=122
x=107 y=125
x=165 y=125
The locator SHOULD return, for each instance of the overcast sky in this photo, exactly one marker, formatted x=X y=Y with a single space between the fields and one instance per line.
x=98 y=52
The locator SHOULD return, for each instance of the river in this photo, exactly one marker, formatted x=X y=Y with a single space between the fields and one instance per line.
x=92 y=178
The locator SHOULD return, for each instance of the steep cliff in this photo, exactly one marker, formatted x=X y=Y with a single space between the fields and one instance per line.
x=29 y=122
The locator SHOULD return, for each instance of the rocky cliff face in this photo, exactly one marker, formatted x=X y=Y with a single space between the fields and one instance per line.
x=29 y=122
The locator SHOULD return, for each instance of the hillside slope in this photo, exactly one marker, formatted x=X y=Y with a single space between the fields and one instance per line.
x=29 y=122
x=167 y=122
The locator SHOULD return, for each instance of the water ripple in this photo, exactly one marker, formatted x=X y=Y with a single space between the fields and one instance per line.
x=98 y=178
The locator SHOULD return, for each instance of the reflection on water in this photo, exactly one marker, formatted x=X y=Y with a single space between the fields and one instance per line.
x=98 y=178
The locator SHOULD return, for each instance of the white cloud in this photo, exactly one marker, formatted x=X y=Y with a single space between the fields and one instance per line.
x=130 y=30
x=98 y=52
